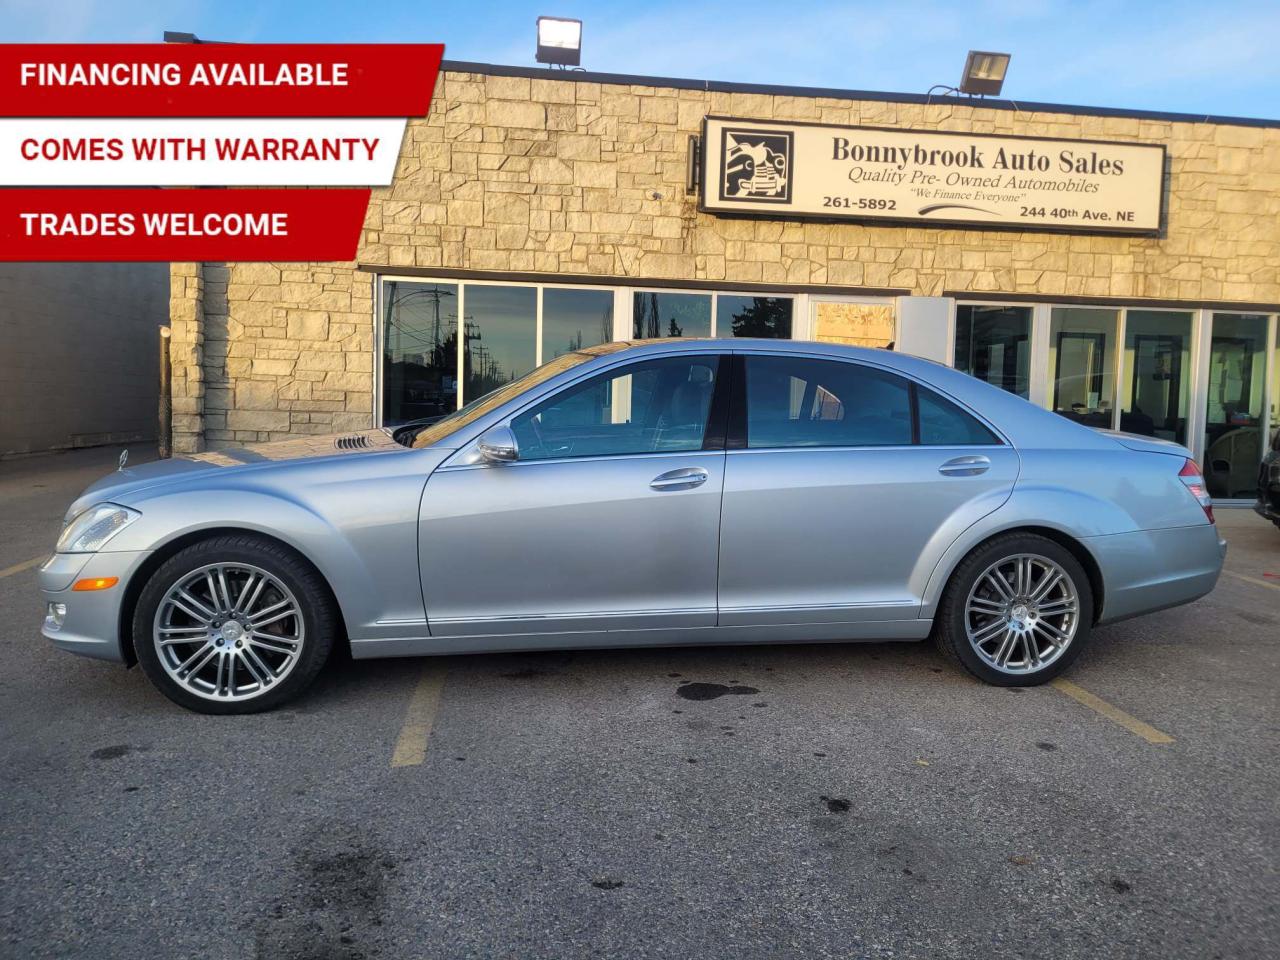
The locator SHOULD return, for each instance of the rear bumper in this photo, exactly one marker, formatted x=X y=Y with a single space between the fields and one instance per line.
x=91 y=626
x=1149 y=570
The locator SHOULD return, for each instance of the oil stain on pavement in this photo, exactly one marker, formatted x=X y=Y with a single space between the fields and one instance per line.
x=335 y=910
x=709 y=691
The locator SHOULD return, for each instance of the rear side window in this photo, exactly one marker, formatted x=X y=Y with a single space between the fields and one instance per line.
x=801 y=402
x=944 y=424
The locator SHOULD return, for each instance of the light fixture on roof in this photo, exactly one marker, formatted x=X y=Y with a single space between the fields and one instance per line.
x=559 y=41
x=984 y=72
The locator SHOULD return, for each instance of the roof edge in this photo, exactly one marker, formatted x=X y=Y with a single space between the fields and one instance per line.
x=724 y=86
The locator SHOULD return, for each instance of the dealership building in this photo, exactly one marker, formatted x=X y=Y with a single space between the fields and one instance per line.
x=1119 y=267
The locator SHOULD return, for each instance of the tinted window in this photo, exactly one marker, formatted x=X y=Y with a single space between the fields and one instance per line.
x=651 y=407
x=942 y=423
x=798 y=402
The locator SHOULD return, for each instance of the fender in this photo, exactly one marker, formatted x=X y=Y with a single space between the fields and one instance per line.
x=363 y=542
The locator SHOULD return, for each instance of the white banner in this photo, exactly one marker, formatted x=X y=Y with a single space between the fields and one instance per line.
x=787 y=170
x=260 y=152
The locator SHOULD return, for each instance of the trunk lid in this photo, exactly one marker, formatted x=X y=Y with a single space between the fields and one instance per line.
x=1136 y=441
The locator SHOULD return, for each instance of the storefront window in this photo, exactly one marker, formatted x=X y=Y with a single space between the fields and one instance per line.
x=671 y=315
x=1233 y=407
x=994 y=344
x=1156 y=381
x=738 y=316
x=573 y=319
x=499 y=336
x=419 y=350
x=856 y=323
x=1082 y=361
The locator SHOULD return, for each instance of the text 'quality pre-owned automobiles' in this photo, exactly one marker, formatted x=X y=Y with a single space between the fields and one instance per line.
x=631 y=494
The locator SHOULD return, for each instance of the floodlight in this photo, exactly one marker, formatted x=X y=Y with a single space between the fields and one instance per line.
x=559 y=41
x=984 y=72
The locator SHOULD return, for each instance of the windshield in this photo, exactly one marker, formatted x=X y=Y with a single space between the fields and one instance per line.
x=435 y=432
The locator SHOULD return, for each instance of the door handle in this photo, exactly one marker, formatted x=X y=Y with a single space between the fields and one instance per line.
x=686 y=478
x=965 y=467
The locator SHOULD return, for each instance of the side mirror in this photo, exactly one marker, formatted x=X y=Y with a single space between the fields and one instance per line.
x=498 y=445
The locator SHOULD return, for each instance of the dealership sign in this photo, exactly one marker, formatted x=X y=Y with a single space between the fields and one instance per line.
x=794 y=170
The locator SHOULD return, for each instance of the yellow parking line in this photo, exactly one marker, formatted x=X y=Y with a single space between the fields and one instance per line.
x=1112 y=712
x=19 y=567
x=1230 y=573
x=411 y=746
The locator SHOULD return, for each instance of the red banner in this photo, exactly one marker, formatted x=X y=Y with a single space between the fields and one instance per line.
x=218 y=80
x=167 y=225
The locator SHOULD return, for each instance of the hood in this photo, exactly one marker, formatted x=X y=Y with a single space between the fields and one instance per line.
x=1136 y=441
x=122 y=483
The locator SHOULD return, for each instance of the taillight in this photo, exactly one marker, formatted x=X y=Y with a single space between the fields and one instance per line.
x=1190 y=475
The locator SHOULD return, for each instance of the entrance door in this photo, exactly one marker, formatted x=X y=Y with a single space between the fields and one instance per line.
x=852 y=483
x=608 y=520
x=1235 y=404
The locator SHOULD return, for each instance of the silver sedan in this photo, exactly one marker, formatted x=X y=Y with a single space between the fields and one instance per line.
x=669 y=492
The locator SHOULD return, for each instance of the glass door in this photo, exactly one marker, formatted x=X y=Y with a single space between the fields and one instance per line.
x=1234 y=405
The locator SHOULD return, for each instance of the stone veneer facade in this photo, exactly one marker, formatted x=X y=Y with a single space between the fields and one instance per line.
x=582 y=178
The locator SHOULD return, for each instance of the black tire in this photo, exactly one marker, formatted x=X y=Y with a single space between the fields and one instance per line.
x=949 y=632
x=315 y=602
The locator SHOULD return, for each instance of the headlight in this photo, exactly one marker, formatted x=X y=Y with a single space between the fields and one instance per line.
x=90 y=530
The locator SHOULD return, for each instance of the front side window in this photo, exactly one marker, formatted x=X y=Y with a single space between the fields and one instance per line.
x=657 y=406
x=801 y=402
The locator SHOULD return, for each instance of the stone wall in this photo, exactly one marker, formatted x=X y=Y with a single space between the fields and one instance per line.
x=513 y=174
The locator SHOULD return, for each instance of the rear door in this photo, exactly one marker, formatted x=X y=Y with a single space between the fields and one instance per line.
x=844 y=483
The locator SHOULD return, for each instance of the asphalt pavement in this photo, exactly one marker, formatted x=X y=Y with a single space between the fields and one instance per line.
x=841 y=801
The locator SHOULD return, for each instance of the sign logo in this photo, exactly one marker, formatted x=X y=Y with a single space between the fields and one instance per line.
x=756 y=166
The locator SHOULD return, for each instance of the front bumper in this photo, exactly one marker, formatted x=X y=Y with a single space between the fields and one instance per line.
x=91 y=626
x=1149 y=570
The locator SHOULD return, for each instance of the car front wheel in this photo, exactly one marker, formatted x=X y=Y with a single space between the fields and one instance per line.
x=234 y=624
x=1017 y=611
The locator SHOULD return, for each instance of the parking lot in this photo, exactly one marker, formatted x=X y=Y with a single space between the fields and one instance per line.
x=812 y=801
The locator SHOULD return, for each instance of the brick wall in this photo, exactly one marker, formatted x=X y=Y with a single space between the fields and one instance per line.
x=556 y=176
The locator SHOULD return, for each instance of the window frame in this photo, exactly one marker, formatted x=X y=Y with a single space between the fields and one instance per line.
x=738 y=437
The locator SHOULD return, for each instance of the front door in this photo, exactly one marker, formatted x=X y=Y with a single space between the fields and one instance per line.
x=851 y=479
x=609 y=519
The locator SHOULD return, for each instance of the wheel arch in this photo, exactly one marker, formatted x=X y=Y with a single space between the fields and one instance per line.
x=137 y=582
x=1072 y=544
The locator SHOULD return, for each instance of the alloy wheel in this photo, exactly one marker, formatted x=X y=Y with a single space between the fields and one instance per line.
x=228 y=631
x=1022 y=613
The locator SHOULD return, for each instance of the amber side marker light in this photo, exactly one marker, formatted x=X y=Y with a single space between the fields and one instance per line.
x=96 y=583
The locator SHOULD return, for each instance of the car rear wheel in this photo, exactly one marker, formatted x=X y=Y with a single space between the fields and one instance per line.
x=234 y=624
x=1017 y=611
